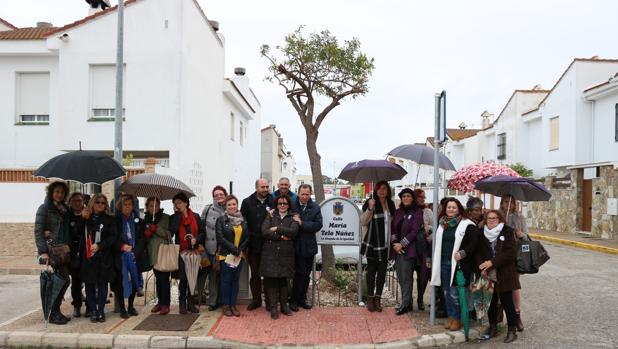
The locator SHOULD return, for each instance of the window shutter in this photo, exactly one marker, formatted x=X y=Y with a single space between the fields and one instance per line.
x=33 y=94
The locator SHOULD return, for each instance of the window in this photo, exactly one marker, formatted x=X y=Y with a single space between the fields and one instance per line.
x=554 y=133
x=502 y=146
x=103 y=92
x=242 y=133
x=616 y=123
x=232 y=126
x=32 y=98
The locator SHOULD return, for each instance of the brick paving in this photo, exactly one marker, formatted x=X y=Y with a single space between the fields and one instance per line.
x=350 y=325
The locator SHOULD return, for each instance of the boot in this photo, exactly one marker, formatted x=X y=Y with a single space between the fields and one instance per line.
x=371 y=305
x=273 y=296
x=520 y=325
x=511 y=335
x=491 y=331
x=455 y=325
x=448 y=323
x=378 y=303
x=420 y=304
x=192 y=300
x=77 y=312
x=235 y=311
x=283 y=300
x=227 y=311
x=182 y=305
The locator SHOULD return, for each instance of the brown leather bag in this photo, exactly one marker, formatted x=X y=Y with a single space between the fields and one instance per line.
x=59 y=254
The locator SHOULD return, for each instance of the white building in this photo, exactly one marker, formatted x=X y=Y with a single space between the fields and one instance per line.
x=276 y=160
x=57 y=90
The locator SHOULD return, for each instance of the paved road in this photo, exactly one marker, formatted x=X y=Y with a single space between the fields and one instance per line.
x=18 y=294
x=571 y=303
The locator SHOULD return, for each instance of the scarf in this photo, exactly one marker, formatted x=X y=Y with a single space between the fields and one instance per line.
x=128 y=229
x=153 y=220
x=492 y=234
x=450 y=223
x=188 y=225
x=235 y=218
x=61 y=238
x=90 y=238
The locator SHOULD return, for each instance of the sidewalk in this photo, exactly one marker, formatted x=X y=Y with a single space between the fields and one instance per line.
x=20 y=265
x=579 y=241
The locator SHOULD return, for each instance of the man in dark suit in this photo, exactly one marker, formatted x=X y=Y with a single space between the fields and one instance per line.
x=254 y=209
x=309 y=218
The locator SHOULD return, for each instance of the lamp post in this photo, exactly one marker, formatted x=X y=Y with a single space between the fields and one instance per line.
x=118 y=112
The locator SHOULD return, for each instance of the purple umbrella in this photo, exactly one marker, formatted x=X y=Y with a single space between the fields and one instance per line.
x=521 y=189
x=371 y=171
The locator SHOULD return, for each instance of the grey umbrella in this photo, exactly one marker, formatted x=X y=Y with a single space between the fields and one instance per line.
x=158 y=185
x=422 y=155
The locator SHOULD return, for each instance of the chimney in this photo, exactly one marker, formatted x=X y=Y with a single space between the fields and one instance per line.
x=43 y=25
x=214 y=25
x=240 y=71
x=487 y=119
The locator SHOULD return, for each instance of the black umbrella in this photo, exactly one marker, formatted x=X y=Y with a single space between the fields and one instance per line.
x=422 y=155
x=81 y=166
x=521 y=189
x=371 y=171
x=51 y=286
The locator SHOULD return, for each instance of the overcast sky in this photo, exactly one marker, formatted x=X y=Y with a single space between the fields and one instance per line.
x=478 y=51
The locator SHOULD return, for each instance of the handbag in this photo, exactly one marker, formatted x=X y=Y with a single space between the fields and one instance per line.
x=59 y=254
x=167 y=258
x=531 y=255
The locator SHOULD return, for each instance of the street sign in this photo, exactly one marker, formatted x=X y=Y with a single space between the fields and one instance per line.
x=340 y=222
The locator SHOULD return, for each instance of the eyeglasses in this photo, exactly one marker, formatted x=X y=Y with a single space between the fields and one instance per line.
x=282 y=204
x=100 y=202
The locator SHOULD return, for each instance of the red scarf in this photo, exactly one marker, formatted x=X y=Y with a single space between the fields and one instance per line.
x=190 y=221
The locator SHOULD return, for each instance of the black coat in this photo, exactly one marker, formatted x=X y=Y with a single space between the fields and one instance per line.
x=101 y=267
x=505 y=260
x=49 y=218
x=140 y=250
x=225 y=237
x=255 y=212
x=75 y=222
x=305 y=243
x=469 y=244
x=277 y=254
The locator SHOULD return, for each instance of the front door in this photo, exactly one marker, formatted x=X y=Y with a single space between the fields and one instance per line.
x=587 y=205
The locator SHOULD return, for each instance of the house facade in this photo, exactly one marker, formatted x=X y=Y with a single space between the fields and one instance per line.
x=57 y=93
x=276 y=160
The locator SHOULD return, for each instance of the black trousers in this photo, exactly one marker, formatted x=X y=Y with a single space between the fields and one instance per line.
x=162 y=280
x=277 y=291
x=376 y=276
x=76 y=289
x=256 y=280
x=64 y=273
x=506 y=299
x=300 y=284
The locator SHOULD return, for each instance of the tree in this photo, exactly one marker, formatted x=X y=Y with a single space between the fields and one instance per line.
x=318 y=70
x=521 y=169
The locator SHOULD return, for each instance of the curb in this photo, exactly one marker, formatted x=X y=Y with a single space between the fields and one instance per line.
x=76 y=340
x=591 y=247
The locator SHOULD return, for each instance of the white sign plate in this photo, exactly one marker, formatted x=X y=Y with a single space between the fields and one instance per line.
x=340 y=222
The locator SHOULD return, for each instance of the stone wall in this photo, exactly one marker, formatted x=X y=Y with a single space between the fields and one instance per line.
x=563 y=212
x=17 y=240
x=603 y=188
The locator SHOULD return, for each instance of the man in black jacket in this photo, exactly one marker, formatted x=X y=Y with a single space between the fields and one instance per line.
x=309 y=218
x=255 y=208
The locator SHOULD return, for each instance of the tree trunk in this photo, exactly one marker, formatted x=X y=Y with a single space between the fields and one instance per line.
x=328 y=256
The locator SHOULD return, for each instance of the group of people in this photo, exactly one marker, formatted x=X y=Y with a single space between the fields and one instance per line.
x=275 y=234
x=476 y=241
x=272 y=232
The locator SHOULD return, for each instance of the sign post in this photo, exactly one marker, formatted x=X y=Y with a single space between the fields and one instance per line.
x=340 y=227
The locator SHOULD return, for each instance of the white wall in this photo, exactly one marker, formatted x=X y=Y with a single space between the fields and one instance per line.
x=605 y=145
x=28 y=196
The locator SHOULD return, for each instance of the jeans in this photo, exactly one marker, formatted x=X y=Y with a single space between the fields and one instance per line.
x=214 y=281
x=404 y=268
x=230 y=278
x=301 y=279
x=162 y=280
x=451 y=295
x=96 y=296
x=376 y=276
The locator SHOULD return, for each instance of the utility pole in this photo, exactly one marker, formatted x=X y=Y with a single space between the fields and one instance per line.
x=118 y=113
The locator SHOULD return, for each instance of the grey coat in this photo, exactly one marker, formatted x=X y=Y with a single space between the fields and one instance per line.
x=278 y=254
x=49 y=218
x=209 y=218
